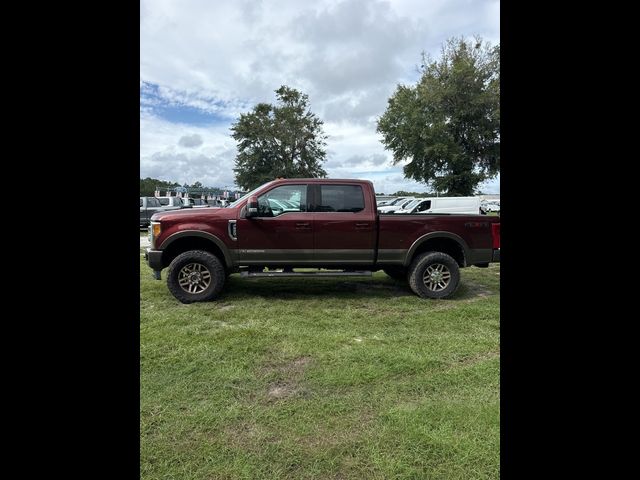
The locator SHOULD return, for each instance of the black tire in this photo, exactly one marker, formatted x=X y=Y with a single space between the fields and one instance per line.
x=189 y=269
x=397 y=273
x=424 y=279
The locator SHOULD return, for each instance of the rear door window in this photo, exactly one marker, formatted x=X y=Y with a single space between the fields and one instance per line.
x=341 y=198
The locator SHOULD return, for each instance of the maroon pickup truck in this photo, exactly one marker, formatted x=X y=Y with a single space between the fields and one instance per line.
x=332 y=226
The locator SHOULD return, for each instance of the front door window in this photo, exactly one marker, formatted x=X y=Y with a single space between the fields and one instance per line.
x=281 y=200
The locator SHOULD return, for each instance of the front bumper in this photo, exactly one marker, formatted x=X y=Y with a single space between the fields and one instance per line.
x=496 y=255
x=154 y=260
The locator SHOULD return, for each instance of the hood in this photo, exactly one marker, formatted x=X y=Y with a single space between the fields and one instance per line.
x=187 y=213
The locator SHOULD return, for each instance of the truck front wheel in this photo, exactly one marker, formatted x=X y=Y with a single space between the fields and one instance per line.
x=195 y=276
x=434 y=275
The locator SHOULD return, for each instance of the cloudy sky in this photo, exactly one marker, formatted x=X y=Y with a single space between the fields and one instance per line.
x=203 y=62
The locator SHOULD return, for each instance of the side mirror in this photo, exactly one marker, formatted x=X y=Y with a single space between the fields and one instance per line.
x=252 y=207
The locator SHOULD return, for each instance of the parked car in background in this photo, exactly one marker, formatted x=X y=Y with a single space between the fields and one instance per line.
x=492 y=207
x=217 y=203
x=172 y=202
x=151 y=205
x=392 y=201
x=465 y=205
x=195 y=202
x=396 y=205
x=386 y=201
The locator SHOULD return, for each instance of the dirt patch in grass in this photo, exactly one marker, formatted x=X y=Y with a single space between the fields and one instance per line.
x=288 y=377
x=473 y=291
x=243 y=434
x=291 y=367
x=474 y=359
x=299 y=364
x=468 y=292
x=279 y=391
x=325 y=437
x=395 y=288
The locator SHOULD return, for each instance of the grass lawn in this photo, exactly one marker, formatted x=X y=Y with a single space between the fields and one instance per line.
x=321 y=378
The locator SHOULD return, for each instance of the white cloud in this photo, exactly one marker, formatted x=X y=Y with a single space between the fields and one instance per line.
x=223 y=57
x=190 y=141
x=162 y=156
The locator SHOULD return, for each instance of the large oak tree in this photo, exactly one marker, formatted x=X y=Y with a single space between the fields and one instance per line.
x=282 y=140
x=448 y=125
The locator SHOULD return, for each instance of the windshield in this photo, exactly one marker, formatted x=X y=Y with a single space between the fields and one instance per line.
x=247 y=195
x=411 y=204
x=396 y=201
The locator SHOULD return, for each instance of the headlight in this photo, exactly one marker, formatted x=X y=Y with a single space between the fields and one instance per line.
x=154 y=232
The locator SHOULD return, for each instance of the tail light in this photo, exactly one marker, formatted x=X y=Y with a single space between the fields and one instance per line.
x=495 y=233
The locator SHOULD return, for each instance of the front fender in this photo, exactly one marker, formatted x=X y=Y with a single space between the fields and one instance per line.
x=202 y=234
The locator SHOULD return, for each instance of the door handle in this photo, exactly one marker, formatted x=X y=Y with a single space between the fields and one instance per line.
x=362 y=226
x=303 y=226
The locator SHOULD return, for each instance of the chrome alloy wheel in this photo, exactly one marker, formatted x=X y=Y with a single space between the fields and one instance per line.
x=194 y=278
x=436 y=277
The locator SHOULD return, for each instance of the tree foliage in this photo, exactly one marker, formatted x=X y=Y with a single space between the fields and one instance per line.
x=148 y=186
x=403 y=193
x=282 y=140
x=448 y=124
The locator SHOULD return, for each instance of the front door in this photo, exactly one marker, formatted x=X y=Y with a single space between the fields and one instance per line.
x=282 y=233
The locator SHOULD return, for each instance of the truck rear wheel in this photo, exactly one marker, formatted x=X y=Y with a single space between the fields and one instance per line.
x=195 y=276
x=434 y=275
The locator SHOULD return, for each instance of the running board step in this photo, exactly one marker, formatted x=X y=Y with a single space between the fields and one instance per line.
x=358 y=273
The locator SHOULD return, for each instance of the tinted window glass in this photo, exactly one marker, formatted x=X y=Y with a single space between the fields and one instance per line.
x=164 y=201
x=341 y=198
x=153 y=202
x=426 y=205
x=140 y=202
x=283 y=199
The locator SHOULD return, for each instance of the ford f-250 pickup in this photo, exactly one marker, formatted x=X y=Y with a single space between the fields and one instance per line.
x=329 y=225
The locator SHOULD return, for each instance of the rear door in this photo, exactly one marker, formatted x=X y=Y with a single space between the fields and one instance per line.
x=345 y=221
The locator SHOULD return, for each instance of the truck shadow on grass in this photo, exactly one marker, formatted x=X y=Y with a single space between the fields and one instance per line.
x=289 y=289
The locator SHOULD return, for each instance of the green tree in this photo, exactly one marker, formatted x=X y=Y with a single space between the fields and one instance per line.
x=148 y=186
x=403 y=193
x=448 y=124
x=283 y=140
